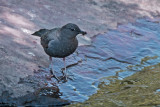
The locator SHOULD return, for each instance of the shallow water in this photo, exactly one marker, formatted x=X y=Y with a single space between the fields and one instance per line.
x=112 y=52
x=108 y=54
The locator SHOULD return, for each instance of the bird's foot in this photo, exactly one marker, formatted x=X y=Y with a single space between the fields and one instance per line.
x=53 y=75
x=48 y=77
x=65 y=77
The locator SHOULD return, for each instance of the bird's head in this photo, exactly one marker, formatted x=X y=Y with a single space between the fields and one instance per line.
x=71 y=30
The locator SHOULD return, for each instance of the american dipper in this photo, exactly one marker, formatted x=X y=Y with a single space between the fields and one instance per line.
x=60 y=42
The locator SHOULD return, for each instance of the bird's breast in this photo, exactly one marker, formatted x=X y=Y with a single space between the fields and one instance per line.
x=62 y=49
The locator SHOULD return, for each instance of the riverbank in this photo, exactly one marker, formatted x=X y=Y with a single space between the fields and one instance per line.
x=139 y=89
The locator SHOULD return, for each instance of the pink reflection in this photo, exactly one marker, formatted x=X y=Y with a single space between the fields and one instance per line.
x=17 y=20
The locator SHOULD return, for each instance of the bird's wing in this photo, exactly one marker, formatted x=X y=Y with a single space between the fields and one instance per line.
x=51 y=35
x=52 y=43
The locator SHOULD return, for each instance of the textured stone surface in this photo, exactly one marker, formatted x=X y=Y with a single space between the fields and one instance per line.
x=21 y=53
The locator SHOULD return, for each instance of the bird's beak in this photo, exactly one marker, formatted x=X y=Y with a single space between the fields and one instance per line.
x=83 y=32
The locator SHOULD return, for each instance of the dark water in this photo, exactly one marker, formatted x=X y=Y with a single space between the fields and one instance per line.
x=111 y=52
x=108 y=53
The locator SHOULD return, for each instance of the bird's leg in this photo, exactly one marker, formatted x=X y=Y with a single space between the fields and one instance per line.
x=65 y=71
x=51 y=68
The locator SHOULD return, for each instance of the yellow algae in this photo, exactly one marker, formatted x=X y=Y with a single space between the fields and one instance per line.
x=138 y=89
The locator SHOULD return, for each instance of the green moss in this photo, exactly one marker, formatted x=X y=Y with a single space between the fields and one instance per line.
x=136 y=90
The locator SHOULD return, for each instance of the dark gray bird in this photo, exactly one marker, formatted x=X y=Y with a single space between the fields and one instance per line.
x=60 y=42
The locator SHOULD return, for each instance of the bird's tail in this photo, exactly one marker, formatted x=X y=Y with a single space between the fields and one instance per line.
x=40 y=32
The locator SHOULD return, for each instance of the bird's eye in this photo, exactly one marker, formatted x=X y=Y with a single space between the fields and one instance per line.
x=73 y=29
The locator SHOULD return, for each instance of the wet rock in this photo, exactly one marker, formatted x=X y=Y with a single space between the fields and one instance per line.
x=107 y=54
x=21 y=54
x=31 y=99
